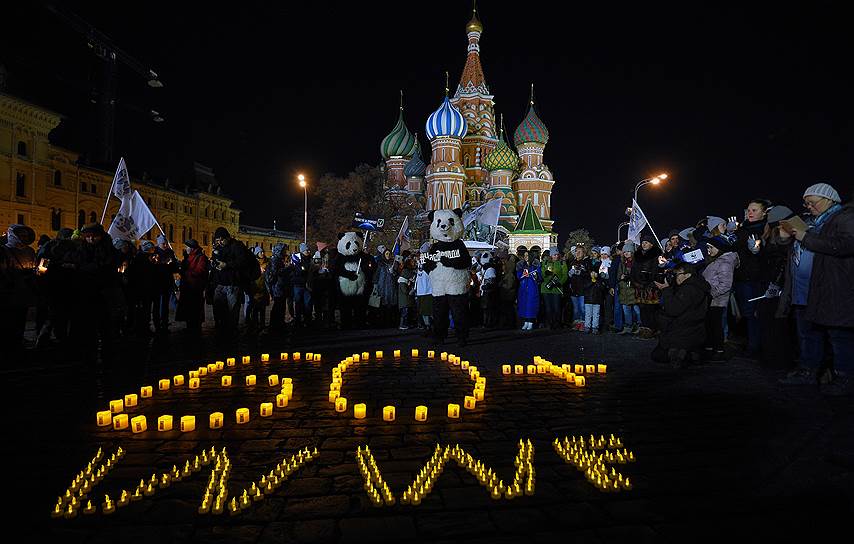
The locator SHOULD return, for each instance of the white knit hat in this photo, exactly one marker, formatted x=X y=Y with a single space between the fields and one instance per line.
x=823 y=190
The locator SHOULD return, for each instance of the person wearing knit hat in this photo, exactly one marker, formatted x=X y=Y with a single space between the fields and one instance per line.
x=221 y=233
x=777 y=214
x=629 y=246
x=231 y=266
x=822 y=190
x=191 y=243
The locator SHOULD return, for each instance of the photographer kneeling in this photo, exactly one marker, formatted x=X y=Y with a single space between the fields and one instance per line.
x=683 y=316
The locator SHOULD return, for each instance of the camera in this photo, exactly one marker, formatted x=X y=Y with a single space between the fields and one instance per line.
x=553 y=283
x=665 y=277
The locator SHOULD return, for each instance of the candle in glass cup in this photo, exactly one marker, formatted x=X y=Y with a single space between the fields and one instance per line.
x=388 y=413
x=120 y=422
x=242 y=415
x=378 y=355
x=333 y=395
x=117 y=406
x=104 y=418
x=341 y=404
x=246 y=360
x=281 y=400
x=273 y=380
x=335 y=386
x=146 y=391
x=443 y=356
x=283 y=356
x=265 y=357
x=250 y=379
x=193 y=373
x=220 y=365
x=297 y=356
x=579 y=369
x=469 y=403
x=178 y=380
x=580 y=381
x=478 y=394
x=420 y=413
x=519 y=369
x=464 y=365
x=359 y=410
x=266 y=409
x=188 y=424
x=431 y=354
x=203 y=371
x=215 y=420
x=226 y=381
x=397 y=354
x=599 y=369
x=506 y=370
x=454 y=411
x=194 y=383
x=590 y=369
x=164 y=423
x=163 y=384
x=138 y=424
x=415 y=353
x=316 y=357
x=532 y=369
x=230 y=361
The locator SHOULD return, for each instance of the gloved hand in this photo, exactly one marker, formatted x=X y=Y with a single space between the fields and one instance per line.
x=731 y=225
x=753 y=244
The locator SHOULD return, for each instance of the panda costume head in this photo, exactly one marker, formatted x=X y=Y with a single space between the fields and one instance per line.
x=350 y=243
x=485 y=259
x=446 y=225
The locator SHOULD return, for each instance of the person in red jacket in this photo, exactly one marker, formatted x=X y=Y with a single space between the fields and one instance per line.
x=194 y=279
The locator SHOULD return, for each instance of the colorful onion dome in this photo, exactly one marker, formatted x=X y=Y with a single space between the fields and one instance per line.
x=447 y=121
x=416 y=167
x=501 y=158
x=531 y=129
x=399 y=142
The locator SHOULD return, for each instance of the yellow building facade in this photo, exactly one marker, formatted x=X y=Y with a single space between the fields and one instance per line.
x=44 y=187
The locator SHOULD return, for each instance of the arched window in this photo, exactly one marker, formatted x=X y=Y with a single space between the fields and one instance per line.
x=22 y=149
x=81 y=219
x=93 y=217
x=55 y=219
x=57 y=178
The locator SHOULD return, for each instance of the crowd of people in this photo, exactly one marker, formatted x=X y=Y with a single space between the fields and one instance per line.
x=775 y=275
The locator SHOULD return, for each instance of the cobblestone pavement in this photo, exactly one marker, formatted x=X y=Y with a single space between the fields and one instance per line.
x=720 y=448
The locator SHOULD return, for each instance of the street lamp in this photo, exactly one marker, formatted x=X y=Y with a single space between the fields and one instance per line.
x=619 y=228
x=304 y=186
x=655 y=180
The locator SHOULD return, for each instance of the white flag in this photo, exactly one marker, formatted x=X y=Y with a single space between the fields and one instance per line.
x=485 y=214
x=133 y=220
x=121 y=181
x=636 y=223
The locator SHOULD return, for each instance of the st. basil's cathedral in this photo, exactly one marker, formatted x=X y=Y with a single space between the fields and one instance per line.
x=471 y=161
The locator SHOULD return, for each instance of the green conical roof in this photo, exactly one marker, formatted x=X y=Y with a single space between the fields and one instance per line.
x=528 y=220
x=399 y=142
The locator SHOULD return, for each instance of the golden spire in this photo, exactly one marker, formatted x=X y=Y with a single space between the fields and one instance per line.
x=502 y=126
x=447 y=88
x=474 y=25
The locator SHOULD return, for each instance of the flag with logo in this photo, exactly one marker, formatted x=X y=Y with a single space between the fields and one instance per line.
x=485 y=214
x=121 y=181
x=133 y=220
x=637 y=222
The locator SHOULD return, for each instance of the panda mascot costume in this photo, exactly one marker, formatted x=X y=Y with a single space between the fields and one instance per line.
x=352 y=276
x=488 y=276
x=448 y=262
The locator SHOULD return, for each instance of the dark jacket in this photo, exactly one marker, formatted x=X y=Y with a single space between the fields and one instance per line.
x=278 y=275
x=236 y=258
x=751 y=265
x=831 y=297
x=683 y=314
x=165 y=265
x=594 y=291
x=579 y=276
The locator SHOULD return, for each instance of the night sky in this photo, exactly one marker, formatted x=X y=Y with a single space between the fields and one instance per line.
x=731 y=103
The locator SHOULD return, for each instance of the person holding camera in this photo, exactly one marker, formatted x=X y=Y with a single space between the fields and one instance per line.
x=579 y=274
x=229 y=262
x=594 y=297
x=684 y=304
x=554 y=276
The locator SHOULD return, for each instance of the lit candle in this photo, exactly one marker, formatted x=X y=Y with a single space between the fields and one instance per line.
x=242 y=415
x=505 y=369
x=590 y=369
x=287 y=381
x=297 y=356
x=188 y=423
x=378 y=355
x=532 y=369
x=469 y=403
x=478 y=394
x=288 y=389
x=163 y=385
x=570 y=377
x=194 y=373
x=265 y=357
x=230 y=361
x=215 y=420
x=420 y=413
x=356 y=358
x=456 y=361
x=164 y=423
x=250 y=379
x=464 y=365
x=194 y=383
x=120 y=422
x=599 y=368
x=481 y=381
x=431 y=354
x=580 y=381
x=316 y=357
x=341 y=404
x=138 y=424
x=454 y=411
x=541 y=369
x=105 y=418
x=397 y=354
x=283 y=356
x=266 y=409
x=203 y=371
x=146 y=391
x=335 y=386
x=365 y=355
x=273 y=380
x=519 y=369
x=415 y=353
x=444 y=355
x=579 y=369
x=226 y=381
x=388 y=413
x=178 y=380
x=117 y=406
x=220 y=365
x=281 y=400
x=359 y=411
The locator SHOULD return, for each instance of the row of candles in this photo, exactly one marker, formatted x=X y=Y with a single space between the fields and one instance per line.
x=584 y=456
x=380 y=494
x=121 y=421
x=573 y=375
x=69 y=503
x=106 y=418
x=389 y=412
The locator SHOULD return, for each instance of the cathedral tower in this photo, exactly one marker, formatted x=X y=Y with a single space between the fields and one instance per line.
x=445 y=175
x=535 y=180
x=396 y=148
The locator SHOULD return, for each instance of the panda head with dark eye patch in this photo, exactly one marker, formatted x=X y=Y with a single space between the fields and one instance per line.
x=350 y=243
x=446 y=225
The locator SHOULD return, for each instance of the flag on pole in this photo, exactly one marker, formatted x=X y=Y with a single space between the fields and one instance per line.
x=402 y=243
x=485 y=214
x=637 y=222
x=121 y=181
x=133 y=220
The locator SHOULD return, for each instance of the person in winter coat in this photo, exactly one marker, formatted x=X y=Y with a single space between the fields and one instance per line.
x=830 y=297
x=323 y=289
x=749 y=277
x=302 y=267
x=554 y=278
x=579 y=274
x=259 y=296
x=719 y=271
x=613 y=282
x=277 y=278
x=17 y=285
x=194 y=279
x=229 y=262
x=594 y=296
x=529 y=275
x=508 y=288
x=165 y=266
x=406 y=292
x=644 y=271
x=683 y=316
x=98 y=289
x=385 y=280
x=626 y=291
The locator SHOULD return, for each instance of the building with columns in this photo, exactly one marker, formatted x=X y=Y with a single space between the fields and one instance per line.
x=471 y=160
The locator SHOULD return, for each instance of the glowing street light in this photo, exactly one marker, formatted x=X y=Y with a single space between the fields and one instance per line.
x=304 y=186
x=655 y=180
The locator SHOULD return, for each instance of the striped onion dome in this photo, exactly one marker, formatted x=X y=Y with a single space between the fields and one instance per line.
x=399 y=142
x=416 y=167
x=531 y=129
x=447 y=121
x=501 y=158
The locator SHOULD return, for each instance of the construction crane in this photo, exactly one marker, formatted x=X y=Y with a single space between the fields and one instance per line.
x=105 y=49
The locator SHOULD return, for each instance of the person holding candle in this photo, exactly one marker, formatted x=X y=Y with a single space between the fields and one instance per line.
x=230 y=266
x=194 y=278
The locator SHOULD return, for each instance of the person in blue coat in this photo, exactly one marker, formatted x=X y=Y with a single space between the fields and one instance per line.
x=530 y=276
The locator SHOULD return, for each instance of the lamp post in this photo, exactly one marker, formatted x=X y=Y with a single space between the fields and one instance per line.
x=304 y=186
x=619 y=228
x=655 y=180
